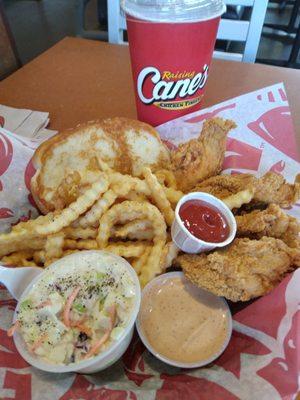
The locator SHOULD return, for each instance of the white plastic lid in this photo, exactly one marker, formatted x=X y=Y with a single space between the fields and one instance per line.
x=174 y=10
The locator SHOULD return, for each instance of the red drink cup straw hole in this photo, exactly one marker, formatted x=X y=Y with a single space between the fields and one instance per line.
x=171 y=49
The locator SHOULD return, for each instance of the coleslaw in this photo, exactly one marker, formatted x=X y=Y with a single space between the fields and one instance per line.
x=73 y=313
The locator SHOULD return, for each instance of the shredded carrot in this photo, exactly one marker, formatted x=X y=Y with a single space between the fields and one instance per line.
x=83 y=328
x=80 y=324
x=97 y=346
x=44 y=304
x=81 y=321
x=113 y=314
x=67 y=309
x=38 y=342
x=13 y=328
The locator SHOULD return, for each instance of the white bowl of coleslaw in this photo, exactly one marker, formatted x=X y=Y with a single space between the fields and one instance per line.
x=79 y=314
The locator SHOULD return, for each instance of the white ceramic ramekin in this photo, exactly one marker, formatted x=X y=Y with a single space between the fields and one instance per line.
x=102 y=360
x=189 y=243
x=203 y=295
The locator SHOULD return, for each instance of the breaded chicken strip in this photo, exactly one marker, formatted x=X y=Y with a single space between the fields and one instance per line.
x=270 y=188
x=273 y=188
x=198 y=159
x=272 y=222
x=242 y=271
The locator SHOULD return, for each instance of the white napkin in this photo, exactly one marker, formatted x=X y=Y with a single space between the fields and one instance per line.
x=27 y=123
x=21 y=132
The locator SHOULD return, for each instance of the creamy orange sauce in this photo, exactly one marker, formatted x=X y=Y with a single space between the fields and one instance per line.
x=181 y=326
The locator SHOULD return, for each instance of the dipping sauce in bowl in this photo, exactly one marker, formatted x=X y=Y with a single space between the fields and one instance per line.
x=204 y=221
x=182 y=324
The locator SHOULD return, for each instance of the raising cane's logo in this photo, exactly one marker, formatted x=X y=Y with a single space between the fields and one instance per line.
x=166 y=86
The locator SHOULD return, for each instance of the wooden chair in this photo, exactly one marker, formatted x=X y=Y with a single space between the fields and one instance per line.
x=9 y=60
x=248 y=32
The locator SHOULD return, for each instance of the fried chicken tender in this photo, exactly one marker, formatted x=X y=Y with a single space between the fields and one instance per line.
x=273 y=188
x=270 y=188
x=272 y=222
x=223 y=186
x=242 y=271
x=201 y=158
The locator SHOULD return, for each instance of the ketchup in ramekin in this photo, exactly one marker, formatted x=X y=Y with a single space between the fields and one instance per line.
x=204 y=221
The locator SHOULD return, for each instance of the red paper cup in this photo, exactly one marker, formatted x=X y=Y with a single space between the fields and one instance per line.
x=170 y=64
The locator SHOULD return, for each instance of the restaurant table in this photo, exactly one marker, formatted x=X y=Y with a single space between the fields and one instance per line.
x=79 y=80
